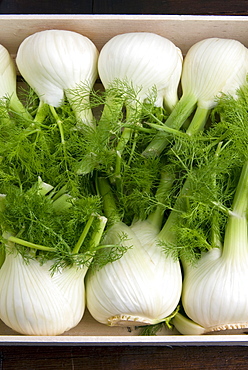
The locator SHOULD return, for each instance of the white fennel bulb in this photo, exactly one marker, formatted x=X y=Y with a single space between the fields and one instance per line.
x=42 y=289
x=7 y=74
x=143 y=287
x=212 y=67
x=215 y=294
x=35 y=302
x=8 y=82
x=144 y=60
x=57 y=63
x=137 y=68
x=145 y=230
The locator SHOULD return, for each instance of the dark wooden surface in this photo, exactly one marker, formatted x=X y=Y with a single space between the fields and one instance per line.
x=124 y=7
x=123 y=357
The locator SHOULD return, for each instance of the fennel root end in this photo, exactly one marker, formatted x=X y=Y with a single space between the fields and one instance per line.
x=130 y=320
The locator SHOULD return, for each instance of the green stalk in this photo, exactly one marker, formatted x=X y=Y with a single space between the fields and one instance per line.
x=168 y=131
x=59 y=123
x=25 y=243
x=186 y=326
x=43 y=187
x=167 y=233
x=83 y=235
x=62 y=138
x=176 y=119
x=215 y=224
x=132 y=150
x=112 y=112
x=57 y=194
x=17 y=106
x=199 y=120
x=235 y=241
x=124 y=139
x=163 y=190
x=42 y=112
x=97 y=234
x=109 y=204
x=133 y=114
x=182 y=111
x=82 y=110
x=110 y=115
x=62 y=203
x=112 y=109
x=240 y=201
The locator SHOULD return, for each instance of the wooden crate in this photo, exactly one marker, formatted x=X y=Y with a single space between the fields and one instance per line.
x=184 y=31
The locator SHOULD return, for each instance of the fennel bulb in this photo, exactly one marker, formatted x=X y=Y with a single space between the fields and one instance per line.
x=137 y=68
x=35 y=302
x=143 y=60
x=57 y=63
x=214 y=289
x=212 y=67
x=8 y=83
x=42 y=285
x=214 y=295
x=143 y=286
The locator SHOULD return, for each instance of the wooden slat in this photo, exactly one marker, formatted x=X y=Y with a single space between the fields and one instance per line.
x=182 y=30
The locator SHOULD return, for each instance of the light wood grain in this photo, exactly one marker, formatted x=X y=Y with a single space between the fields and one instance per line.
x=183 y=30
